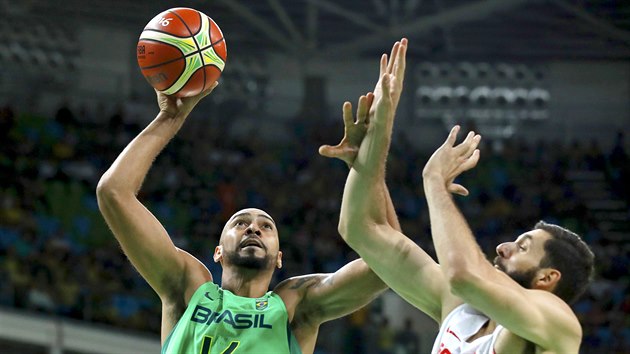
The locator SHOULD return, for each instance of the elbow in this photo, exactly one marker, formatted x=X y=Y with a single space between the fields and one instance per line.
x=107 y=190
x=104 y=188
x=349 y=220
x=345 y=229
x=354 y=233
x=461 y=277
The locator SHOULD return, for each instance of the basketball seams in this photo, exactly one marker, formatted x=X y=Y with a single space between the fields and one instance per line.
x=164 y=32
x=164 y=62
x=211 y=66
x=195 y=40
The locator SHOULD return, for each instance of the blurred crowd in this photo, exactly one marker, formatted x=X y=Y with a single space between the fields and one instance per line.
x=58 y=257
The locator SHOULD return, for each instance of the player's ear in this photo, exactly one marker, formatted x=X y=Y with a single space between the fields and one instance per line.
x=218 y=254
x=279 y=260
x=547 y=278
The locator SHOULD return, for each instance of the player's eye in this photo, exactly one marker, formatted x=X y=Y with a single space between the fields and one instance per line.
x=268 y=226
x=241 y=223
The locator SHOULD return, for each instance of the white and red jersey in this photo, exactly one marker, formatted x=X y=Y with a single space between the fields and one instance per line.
x=462 y=323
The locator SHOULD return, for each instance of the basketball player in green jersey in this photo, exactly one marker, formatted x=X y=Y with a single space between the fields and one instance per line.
x=240 y=315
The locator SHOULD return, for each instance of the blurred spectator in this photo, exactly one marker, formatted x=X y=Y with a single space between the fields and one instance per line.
x=407 y=340
x=57 y=255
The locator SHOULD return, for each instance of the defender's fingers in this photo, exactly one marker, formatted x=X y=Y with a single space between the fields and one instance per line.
x=348 y=119
x=471 y=162
x=362 y=109
x=458 y=189
x=472 y=146
x=462 y=147
x=325 y=150
x=370 y=102
x=370 y=99
x=392 y=57
x=332 y=151
x=385 y=83
x=401 y=61
x=383 y=67
x=452 y=136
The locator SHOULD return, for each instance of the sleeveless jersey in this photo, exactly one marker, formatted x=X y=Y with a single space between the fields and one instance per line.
x=217 y=321
x=462 y=323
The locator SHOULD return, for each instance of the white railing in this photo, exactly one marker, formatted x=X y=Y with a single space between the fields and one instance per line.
x=59 y=335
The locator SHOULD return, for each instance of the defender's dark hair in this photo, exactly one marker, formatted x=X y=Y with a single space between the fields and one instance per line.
x=566 y=252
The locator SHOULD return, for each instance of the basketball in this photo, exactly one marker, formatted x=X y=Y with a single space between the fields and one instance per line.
x=181 y=52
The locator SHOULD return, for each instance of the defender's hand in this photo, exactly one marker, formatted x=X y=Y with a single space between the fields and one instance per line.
x=353 y=131
x=395 y=66
x=449 y=161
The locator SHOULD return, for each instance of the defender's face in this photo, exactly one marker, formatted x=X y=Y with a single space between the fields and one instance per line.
x=520 y=259
x=250 y=240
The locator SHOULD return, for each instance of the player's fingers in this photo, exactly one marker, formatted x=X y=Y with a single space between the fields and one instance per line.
x=214 y=85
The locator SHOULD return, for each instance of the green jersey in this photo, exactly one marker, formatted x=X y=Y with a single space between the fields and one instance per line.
x=218 y=322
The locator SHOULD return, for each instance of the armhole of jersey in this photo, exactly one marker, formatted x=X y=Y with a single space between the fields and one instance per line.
x=495 y=336
x=194 y=298
x=198 y=293
x=451 y=314
x=294 y=346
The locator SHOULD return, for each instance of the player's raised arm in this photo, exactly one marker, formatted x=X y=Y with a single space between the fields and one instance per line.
x=530 y=311
x=364 y=222
x=324 y=297
x=143 y=239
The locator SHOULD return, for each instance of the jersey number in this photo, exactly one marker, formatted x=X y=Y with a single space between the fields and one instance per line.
x=207 y=345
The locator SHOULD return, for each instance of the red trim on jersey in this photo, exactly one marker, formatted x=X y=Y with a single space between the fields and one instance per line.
x=448 y=330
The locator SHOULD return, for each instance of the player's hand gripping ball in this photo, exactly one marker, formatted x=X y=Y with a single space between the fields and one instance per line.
x=181 y=52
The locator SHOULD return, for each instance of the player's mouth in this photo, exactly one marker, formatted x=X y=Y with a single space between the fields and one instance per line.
x=251 y=242
x=497 y=264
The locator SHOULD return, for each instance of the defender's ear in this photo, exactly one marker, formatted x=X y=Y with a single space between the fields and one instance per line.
x=547 y=278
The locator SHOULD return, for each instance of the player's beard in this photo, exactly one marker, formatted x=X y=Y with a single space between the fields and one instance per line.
x=250 y=261
x=524 y=278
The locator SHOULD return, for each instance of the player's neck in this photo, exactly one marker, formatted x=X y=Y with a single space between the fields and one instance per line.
x=244 y=283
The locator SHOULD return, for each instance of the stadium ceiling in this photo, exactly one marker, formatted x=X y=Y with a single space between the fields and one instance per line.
x=524 y=30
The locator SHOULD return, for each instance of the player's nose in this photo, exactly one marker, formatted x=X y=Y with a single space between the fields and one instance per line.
x=253 y=229
x=504 y=250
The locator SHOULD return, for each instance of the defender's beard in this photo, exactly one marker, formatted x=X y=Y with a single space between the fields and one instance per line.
x=523 y=278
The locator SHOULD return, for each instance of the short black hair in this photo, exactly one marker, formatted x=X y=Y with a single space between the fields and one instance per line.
x=566 y=252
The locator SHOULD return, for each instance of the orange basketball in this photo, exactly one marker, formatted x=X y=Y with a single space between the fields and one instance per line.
x=181 y=52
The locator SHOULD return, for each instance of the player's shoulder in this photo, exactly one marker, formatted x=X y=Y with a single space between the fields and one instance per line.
x=293 y=291
x=299 y=284
x=559 y=323
x=195 y=275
